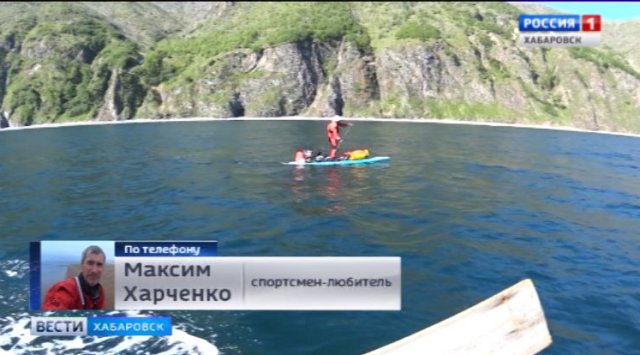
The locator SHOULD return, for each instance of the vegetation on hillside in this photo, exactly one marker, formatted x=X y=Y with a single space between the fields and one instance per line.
x=254 y=26
x=58 y=60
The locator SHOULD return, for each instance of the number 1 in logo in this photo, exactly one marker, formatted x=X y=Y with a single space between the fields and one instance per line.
x=591 y=23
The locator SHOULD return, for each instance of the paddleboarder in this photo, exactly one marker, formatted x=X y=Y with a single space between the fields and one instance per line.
x=333 y=135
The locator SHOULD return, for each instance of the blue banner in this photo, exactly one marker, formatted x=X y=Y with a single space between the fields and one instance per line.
x=549 y=23
x=34 y=276
x=172 y=249
x=122 y=326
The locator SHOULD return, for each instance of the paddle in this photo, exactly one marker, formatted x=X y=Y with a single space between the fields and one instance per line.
x=343 y=137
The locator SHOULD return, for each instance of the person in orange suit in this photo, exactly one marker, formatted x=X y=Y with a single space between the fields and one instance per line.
x=83 y=291
x=333 y=135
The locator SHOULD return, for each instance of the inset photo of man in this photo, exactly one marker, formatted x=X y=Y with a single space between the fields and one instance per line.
x=84 y=283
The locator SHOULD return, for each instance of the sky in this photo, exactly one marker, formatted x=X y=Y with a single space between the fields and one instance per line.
x=609 y=10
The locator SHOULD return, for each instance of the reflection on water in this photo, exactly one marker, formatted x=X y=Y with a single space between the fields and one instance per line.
x=312 y=182
x=329 y=190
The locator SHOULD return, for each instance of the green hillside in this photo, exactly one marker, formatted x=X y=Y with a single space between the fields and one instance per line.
x=115 y=61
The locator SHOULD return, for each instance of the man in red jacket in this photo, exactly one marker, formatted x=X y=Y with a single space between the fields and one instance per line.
x=333 y=135
x=83 y=291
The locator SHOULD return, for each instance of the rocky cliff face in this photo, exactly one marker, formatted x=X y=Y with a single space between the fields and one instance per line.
x=413 y=81
x=474 y=72
x=289 y=79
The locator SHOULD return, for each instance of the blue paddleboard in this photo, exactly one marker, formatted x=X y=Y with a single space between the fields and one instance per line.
x=343 y=162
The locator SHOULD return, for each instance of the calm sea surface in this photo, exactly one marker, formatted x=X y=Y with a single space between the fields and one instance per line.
x=471 y=210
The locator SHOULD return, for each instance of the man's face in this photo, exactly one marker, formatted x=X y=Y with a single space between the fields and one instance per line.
x=92 y=268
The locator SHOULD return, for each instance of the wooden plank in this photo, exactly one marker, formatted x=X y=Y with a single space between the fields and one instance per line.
x=511 y=322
